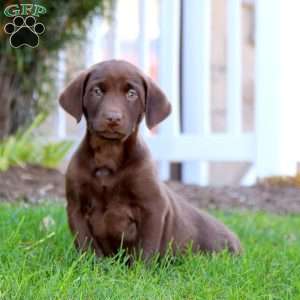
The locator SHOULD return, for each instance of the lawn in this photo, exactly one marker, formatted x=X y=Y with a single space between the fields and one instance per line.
x=39 y=262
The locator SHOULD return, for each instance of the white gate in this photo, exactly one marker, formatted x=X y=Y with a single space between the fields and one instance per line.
x=273 y=149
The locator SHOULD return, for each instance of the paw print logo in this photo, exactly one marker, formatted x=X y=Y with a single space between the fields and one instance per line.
x=24 y=32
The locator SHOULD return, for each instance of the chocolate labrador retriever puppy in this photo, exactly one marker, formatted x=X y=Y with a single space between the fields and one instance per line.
x=114 y=196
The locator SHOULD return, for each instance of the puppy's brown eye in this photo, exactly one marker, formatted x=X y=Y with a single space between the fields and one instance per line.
x=132 y=95
x=98 y=91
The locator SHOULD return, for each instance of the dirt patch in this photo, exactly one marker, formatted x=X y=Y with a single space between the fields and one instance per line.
x=34 y=184
x=274 y=199
x=31 y=184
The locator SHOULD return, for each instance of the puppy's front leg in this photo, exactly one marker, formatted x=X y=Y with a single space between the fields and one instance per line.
x=151 y=233
x=79 y=227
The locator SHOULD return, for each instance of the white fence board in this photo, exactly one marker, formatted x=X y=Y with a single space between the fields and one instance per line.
x=234 y=67
x=277 y=87
x=217 y=147
x=143 y=38
x=168 y=71
x=196 y=81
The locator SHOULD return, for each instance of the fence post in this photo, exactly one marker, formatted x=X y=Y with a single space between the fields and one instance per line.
x=234 y=67
x=196 y=80
x=114 y=40
x=143 y=38
x=144 y=45
x=277 y=87
x=168 y=70
x=94 y=42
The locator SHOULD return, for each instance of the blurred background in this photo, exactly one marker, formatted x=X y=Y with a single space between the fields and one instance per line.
x=229 y=68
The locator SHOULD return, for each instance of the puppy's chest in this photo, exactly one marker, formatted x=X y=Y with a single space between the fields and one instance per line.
x=104 y=181
x=112 y=209
x=108 y=188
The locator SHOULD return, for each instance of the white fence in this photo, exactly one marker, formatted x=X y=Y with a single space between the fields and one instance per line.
x=273 y=149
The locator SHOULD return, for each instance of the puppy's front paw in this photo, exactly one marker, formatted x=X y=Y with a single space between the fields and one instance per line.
x=234 y=245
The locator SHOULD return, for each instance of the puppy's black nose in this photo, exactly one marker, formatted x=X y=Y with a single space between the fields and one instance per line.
x=113 y=117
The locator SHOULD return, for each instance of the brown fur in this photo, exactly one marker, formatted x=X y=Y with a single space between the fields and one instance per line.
x=113 y=192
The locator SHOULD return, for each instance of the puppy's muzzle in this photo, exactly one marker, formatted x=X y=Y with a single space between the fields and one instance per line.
x=112 y=118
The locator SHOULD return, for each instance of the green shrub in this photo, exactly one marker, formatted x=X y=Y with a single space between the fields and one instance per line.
x=25 y=147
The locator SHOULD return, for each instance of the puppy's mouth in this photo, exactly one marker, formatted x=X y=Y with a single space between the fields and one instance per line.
x=110 y=135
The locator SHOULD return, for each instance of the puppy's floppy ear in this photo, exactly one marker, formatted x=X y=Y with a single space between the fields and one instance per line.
x=71 y=99
x=157 y=105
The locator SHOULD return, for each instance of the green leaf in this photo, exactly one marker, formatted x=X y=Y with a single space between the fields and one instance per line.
x=25 y=147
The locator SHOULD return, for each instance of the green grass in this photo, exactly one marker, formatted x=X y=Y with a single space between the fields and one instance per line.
x=39 y=263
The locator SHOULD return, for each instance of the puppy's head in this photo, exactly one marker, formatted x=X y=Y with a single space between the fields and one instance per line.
x=114 y=96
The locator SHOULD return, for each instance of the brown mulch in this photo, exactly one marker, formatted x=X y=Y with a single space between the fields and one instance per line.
x=35 y=184
x=275 y=199
x=31 y=184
